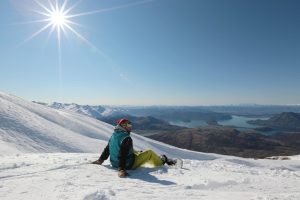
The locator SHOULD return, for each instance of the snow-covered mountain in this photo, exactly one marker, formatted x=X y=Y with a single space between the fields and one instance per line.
x=93 y=111
x=44 y=154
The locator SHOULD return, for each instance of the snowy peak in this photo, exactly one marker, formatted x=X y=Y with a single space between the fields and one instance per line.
x=92 y=111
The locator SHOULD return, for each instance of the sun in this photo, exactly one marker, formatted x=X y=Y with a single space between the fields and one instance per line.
x=58 y=19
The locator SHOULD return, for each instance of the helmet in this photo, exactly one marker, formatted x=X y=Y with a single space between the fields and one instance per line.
x=125 y=123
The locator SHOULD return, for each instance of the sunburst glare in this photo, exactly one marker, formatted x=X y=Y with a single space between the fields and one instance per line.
x=57 y=17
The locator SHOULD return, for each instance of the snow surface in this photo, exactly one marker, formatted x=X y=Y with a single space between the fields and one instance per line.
x=44 y=154
x=68 y=176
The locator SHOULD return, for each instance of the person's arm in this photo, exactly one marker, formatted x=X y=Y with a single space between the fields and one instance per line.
x=104 y=156
x=105 y=153
x=125 y=146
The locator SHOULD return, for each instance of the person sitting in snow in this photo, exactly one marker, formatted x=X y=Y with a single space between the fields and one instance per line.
x=122 y=155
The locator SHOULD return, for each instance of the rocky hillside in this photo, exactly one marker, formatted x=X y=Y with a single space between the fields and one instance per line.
x=229 y=141
x=287 y=121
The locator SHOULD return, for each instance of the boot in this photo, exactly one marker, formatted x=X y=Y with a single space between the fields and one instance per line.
x=167 y=160
x=163 y=159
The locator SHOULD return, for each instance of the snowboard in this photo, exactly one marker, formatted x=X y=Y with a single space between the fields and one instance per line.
x=179 y=163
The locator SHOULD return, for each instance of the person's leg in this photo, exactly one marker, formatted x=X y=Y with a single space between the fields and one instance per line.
x=147 y=156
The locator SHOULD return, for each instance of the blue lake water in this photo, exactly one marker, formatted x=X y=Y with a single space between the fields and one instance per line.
x=239 y=121
x=191 y=124
x=236 y=121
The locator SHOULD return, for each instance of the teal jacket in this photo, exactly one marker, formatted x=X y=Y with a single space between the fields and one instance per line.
x=115 y=150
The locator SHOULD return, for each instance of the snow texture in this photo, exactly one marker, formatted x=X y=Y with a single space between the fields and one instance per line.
x=45 y=153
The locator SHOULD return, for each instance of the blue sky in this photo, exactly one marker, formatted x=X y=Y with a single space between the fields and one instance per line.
x=155 y=52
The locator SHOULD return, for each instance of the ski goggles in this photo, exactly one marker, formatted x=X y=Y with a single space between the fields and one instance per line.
x=128 y=125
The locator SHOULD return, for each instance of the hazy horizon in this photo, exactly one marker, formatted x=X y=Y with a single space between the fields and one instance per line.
x=170 y=105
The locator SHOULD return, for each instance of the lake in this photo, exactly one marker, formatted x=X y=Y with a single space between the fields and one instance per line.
x=236 y=121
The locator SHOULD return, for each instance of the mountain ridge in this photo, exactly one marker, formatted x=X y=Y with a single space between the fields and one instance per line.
x=286 y=121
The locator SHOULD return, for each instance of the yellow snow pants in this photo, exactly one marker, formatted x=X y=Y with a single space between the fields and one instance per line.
x=146 y=157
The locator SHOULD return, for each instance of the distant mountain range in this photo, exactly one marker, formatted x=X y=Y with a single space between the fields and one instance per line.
x=255 y=110
x=177 y=113
x=183 y=113
x=166 y=113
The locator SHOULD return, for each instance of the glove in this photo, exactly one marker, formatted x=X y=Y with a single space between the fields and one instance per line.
x=98 y=162
x=122 y=173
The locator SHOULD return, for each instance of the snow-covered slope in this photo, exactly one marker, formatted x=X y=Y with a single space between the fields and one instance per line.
x=29 y=127
x=44 y=155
